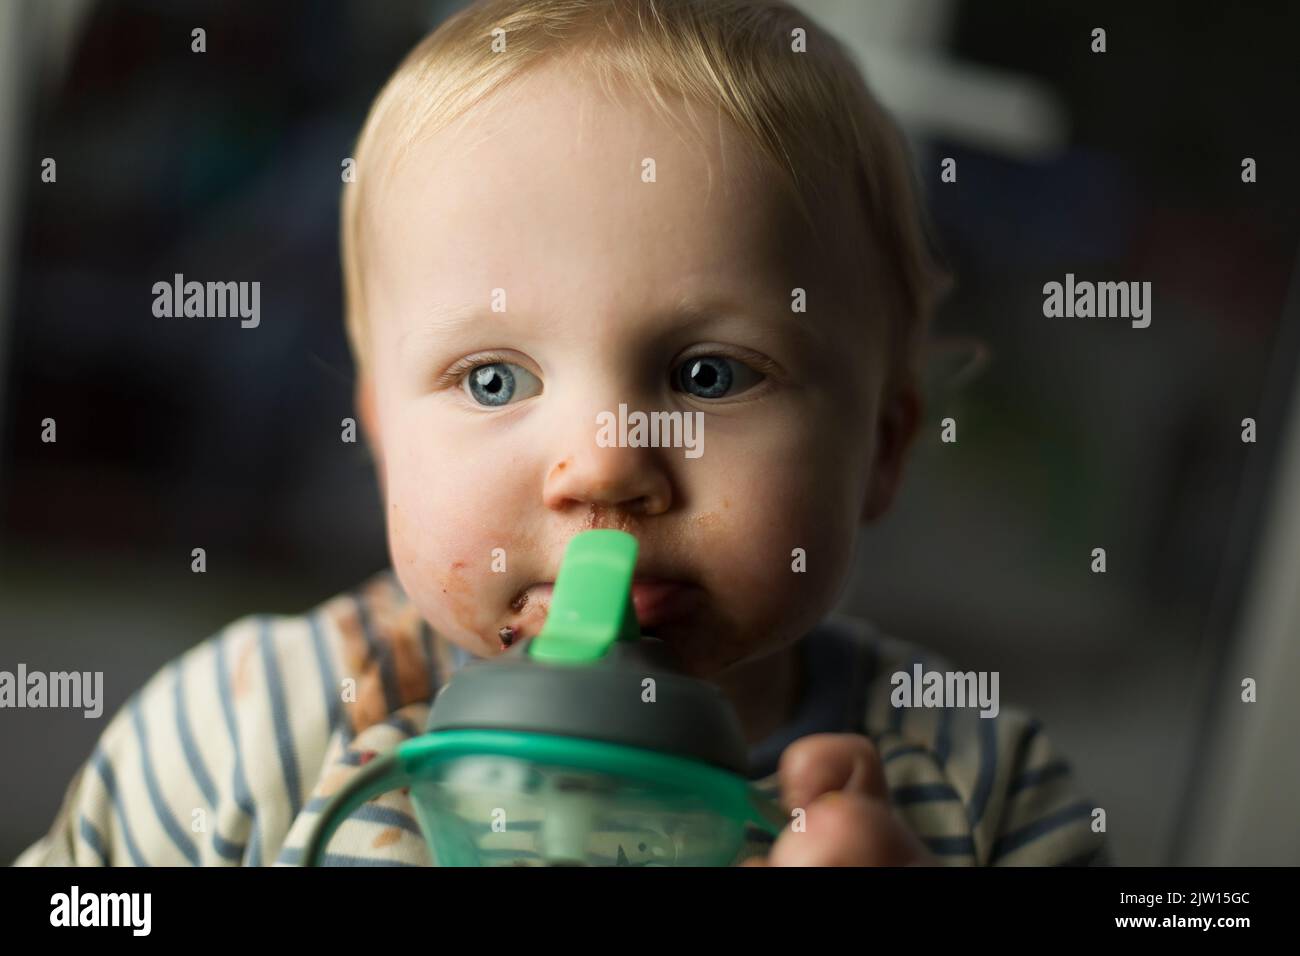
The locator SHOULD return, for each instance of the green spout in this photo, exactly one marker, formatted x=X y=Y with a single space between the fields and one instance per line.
x=591 y=606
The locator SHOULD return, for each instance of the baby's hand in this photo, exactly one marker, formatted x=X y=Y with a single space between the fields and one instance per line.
x=839 y=782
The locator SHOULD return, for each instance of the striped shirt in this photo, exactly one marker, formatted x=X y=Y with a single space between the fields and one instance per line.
x=227 y=755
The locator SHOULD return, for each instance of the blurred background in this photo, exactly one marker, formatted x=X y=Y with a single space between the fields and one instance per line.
x=1079 y=433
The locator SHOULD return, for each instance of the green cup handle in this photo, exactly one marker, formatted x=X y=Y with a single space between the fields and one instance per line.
x=768 y=816
x=382 y=774
x=763 y=822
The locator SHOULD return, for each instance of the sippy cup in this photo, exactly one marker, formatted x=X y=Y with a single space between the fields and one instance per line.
x=583 y=746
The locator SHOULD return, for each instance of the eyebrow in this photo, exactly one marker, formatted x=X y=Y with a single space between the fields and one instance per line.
x=443 y=320
x=731 y=311
x=762 y=312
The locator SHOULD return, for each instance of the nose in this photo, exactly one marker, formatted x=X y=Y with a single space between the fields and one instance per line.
x=631 y=480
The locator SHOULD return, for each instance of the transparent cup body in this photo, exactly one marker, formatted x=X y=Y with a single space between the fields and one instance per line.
x=494 y=810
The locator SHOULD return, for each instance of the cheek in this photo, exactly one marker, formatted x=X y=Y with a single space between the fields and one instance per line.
x=423 y=512
x=788 y=537
x=432 y=572
x=780 y=540
x=801 y=487
x=441 y=540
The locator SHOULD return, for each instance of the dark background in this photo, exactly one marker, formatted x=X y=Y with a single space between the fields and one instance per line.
x=1080 y=433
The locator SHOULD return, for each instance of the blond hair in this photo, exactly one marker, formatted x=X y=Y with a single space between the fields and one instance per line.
x=809 y=113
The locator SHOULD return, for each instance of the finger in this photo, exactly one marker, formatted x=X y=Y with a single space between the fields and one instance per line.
x=848 y=829
x=755 y=861
x=821 y=763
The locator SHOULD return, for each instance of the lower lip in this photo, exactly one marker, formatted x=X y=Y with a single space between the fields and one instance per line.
x=659 y=602
x=656 y=602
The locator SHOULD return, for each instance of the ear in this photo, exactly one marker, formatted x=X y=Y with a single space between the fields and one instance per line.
x=364 y=397
x=897 y=424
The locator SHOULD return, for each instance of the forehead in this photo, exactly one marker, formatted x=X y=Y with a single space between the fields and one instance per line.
x=558 y=190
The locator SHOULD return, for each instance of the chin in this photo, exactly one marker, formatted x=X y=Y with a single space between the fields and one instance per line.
x=702 y=651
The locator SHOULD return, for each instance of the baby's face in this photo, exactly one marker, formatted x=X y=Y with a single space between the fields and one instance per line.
x=674 y=296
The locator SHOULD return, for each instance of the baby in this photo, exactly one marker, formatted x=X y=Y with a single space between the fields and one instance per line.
x=562 y=207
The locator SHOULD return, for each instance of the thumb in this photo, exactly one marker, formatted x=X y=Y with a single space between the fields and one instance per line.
x=823 y=763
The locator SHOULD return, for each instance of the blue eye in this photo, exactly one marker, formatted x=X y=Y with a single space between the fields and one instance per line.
x=712 y=376
x=497 y=383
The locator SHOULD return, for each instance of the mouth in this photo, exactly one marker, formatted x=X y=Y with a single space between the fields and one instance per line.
x=657 y=601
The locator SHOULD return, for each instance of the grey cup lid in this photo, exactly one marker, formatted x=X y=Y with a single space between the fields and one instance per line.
x=633 y=696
